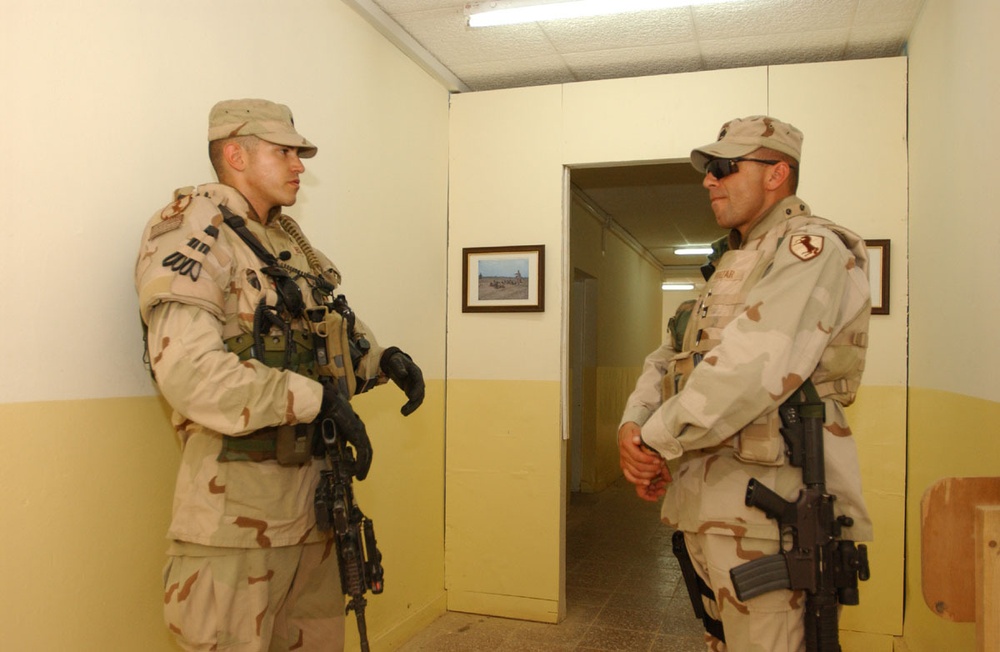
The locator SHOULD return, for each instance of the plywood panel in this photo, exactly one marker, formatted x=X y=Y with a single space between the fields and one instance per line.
x=948 y=550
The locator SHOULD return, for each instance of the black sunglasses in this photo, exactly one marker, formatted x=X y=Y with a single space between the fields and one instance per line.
x=723 y=167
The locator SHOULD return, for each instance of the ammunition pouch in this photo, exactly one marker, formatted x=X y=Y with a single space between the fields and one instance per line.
x=760 y=441
x=287 y=444
x=295 y=352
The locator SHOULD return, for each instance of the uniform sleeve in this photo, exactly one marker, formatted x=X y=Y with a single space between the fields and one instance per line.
x=368 y=370
x=648 y=392
x=211 y=386
x=764 y=354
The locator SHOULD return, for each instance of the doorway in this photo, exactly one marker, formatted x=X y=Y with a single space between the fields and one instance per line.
x=583 y=374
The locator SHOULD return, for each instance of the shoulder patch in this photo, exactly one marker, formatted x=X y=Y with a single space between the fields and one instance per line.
x=165 y=226
x=806 y=247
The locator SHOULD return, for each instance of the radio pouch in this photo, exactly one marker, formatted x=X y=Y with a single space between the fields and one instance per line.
x=333 y=358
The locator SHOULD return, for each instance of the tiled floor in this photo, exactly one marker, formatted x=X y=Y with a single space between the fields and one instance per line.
x=624 y=591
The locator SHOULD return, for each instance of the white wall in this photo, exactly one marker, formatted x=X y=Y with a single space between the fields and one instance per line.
x=105 y=113
x=955 y=200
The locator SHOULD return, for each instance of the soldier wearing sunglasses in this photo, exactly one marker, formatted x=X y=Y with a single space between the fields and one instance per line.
x=787 y=303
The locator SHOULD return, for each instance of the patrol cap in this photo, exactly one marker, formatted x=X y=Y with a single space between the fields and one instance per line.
x=741 y=136
x=266 y=120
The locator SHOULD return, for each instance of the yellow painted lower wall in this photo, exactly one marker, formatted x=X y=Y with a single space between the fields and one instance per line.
x=950 y=435
x=878 y=421
x=87 y=488
x=505 y=521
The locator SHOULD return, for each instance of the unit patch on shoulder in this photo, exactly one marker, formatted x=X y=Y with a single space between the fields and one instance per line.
x=806 y=247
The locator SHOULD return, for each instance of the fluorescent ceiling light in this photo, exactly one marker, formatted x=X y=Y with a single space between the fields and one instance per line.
x=676 y=287
x=693 y=251
x=512 y=12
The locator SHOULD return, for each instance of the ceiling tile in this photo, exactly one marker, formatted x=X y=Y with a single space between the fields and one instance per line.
x=875 y=12
x=623 y=31
x=405 y=6
x=756 y=17
x=445 y=34
x=868 y=41
x=634 y=62
x=775 y=50
x=530 y=71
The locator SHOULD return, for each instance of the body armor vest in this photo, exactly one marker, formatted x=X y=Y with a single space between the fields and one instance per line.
x=836 y=377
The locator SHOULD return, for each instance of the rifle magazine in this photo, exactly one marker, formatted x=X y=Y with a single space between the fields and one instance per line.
x=760 y=576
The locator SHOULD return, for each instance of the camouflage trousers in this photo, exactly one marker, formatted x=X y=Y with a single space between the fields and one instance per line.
x=255 y=600
x=771 y=622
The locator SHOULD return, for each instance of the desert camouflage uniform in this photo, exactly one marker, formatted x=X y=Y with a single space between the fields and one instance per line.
x=790 y=302
x=199 y=285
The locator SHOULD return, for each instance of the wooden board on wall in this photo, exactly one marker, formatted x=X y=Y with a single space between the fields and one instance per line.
x=948 y=544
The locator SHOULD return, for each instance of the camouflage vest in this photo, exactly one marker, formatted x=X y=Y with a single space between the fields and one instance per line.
x=836 y=377
x=277 y=312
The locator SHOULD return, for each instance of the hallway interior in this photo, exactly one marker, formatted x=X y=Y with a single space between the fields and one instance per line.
x=624 y=590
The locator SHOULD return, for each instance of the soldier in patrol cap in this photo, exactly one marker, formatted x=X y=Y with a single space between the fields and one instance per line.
x=788 y=301
x=236 y=303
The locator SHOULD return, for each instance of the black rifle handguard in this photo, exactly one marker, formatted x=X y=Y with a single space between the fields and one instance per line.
x=358 y=557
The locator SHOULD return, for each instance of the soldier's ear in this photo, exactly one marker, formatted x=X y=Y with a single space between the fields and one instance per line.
x=778 y=175
x=234 y=155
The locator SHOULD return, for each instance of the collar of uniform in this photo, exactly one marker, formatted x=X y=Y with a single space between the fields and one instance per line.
x=788 y=207
x=222 y=195
x=233 y=199
x=273 y=215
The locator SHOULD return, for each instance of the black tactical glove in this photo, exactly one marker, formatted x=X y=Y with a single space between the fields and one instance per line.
x=336 y=408
x=406 y=374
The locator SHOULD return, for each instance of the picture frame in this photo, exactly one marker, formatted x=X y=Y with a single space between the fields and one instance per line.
x=503 y=279
x=878 y=274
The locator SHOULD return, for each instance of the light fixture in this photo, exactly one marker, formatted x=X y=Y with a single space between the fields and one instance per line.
x=512 y=12
x=676 y=287
x=693 y=251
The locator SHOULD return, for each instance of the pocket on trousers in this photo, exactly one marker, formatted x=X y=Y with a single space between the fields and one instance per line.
x=189 y=605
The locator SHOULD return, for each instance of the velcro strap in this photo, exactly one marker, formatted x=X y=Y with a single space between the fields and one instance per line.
x=839 y=386
x=859 y=339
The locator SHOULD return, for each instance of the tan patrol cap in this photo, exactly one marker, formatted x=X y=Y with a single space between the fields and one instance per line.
x=741 y=136
x=266 y=120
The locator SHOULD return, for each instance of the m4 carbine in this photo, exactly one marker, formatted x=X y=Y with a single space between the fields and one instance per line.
x=358 y=557
x=818 y=562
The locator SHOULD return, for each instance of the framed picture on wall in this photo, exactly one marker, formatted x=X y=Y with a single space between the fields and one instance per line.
x=503 y=279
x=878 y=275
